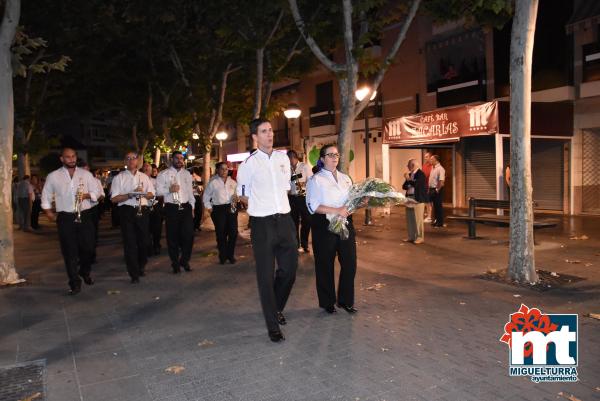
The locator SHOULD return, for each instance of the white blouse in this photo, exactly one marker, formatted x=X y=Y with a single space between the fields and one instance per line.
x=323 y=189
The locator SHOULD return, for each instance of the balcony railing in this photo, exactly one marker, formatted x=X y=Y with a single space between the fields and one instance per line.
x=321 y=115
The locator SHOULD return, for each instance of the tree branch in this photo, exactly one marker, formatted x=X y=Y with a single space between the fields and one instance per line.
x=348 y=38
x=275 y=28
x=329 y=64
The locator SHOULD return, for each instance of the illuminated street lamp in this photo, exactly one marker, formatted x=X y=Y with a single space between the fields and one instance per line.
x=221 y=136
x=292 y=111
x=362 y=93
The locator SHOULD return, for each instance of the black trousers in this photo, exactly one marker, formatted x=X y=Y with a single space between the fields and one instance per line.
x=301 y=218
x=438 y=210
x=198 y=208
x=76 y=245
x=95 y=212
x=273 y=240
x=326 y=246
x=180 y=233
x=134 y=230
x=226 y=230
x=36 y=208
x=156 y=222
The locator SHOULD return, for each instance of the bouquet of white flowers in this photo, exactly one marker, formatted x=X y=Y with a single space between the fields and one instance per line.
x=372 y=192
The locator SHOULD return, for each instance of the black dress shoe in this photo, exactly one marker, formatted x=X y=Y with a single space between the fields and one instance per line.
x=187 y=267
x=175 y=268
x=232 y=260
x=74 y=290
x=88 y=280
x=330 y=309
x=349 y=309
x=281 y=319
x=276 y=336
x=135 y=280
x=306 y=250
x=142 y=273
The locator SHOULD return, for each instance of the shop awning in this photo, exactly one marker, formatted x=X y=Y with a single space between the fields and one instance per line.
x=451 y=124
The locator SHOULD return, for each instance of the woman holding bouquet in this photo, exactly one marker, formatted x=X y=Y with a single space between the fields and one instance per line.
x=326 y=194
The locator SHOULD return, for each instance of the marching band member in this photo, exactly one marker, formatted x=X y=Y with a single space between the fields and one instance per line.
x=72 y=189
x=297 y=196
x=326 y=193
x=220 y=200
x=131 y=190
x=263 y=182
x=175 y=185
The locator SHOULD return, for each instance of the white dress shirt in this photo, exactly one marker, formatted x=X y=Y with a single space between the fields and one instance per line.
x=438 y=173
x=126 y=182
x=100 y=191
x=305 y=170
x=323 y=189
x=265 y=180
x=62 y=188
x=219 y=192
x=171 y=176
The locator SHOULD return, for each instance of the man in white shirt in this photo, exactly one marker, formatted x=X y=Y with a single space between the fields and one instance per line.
x=263 y=183
x=436 y=190
x=72 y=189
x=220 y=201
x=297 y=196
x=175 y=185
x=155 y=218
x=130 y=191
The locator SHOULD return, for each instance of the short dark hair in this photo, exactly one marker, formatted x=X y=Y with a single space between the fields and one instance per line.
x=254 y=124
x=291 y=153
x=436 y=157
x=219 y=164
x=175 y=153
x=65 y=148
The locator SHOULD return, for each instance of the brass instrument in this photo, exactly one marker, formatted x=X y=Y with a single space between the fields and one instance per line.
x=139 y=188
x=234 y=203
x=176 y=198
x=78 y=201
x=299 y=186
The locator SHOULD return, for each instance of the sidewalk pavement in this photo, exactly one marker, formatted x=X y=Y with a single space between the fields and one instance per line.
x=427 y=328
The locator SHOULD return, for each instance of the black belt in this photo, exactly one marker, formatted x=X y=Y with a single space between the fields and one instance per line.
x=74 y=213
x=275 y=216
x=134 y=207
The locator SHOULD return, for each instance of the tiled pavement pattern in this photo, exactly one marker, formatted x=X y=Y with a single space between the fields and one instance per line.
x=22 y=381
x=429 y=332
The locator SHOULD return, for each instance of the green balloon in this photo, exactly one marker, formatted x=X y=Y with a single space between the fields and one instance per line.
x=313 y=156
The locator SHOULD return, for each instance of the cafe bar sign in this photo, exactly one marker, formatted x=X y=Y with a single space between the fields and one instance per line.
x=443 y=125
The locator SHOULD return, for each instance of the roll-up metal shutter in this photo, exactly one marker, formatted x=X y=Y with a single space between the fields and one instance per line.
x=480 y=167
x=547 y=173
x=591 y=166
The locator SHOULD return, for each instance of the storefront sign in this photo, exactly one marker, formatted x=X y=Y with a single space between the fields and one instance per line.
x=443 y=125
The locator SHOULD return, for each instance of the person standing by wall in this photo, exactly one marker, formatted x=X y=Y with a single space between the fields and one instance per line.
x=427 y=171
x=25 y=197
x=416 y=189
x=436 y=190
x=263 y=183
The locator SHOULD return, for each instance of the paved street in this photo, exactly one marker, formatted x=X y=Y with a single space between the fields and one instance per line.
x=426 y=329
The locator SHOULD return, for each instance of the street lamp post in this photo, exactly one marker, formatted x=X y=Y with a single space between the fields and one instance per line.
x=292 y=112
x=221 y=136
x=361 y=93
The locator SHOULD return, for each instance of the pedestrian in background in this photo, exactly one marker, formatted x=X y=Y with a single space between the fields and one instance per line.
x=436 y=190
x=416 y=189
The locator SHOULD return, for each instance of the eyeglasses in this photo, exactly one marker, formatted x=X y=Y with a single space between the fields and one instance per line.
x=333 y=155
x=131 y=158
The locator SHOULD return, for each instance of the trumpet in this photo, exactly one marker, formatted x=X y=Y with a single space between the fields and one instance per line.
x=233 y=203
x=176 y=194
x=139 y=197
x=78 y=200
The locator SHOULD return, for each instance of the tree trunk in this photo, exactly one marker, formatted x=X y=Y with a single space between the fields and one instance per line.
x=260 y=55
x=206 y=163
x=157 y=156
x=521 y=255
x=8 y=274
x=347 y=89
